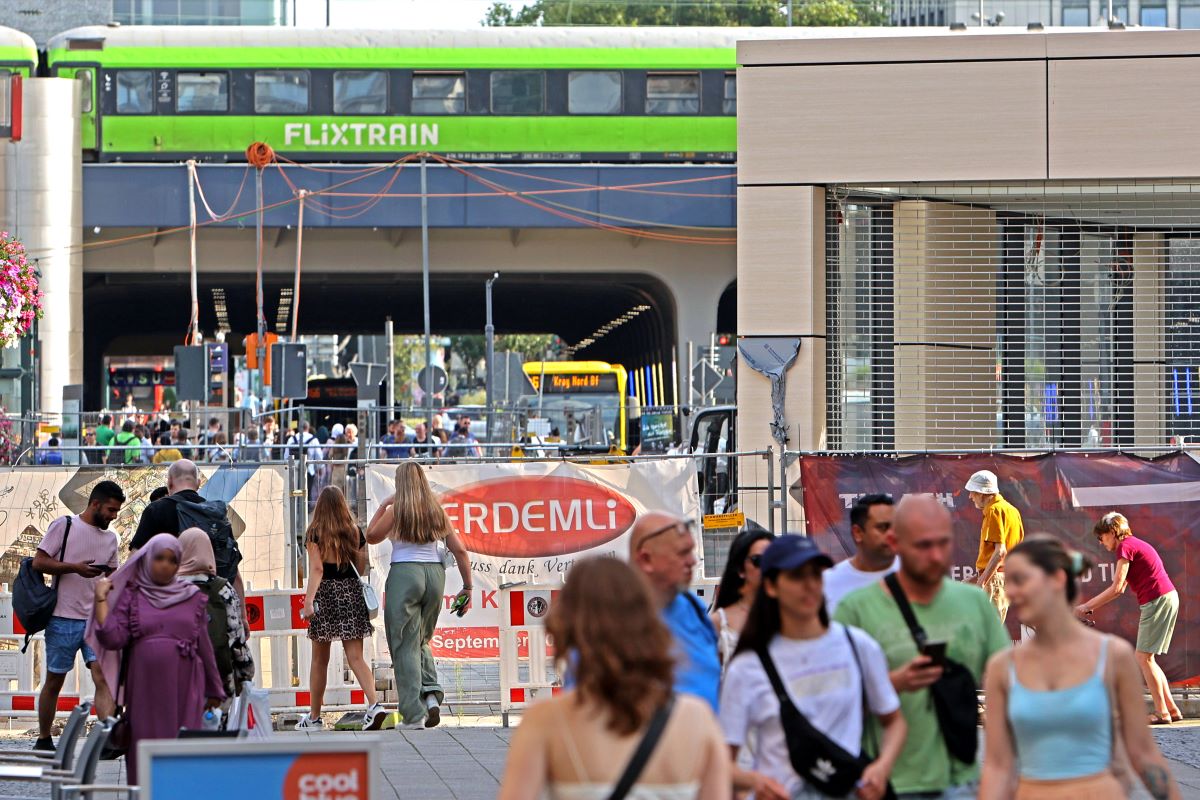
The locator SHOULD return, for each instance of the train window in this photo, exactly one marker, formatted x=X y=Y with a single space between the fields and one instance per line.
x=281 y=91
x=202 y=91
x=594 y=92
x=439 y=93
x=518 y=91
x=729 y=104
x=84 y=76
x=135 y=91
x=360 y=92
x=673 y=93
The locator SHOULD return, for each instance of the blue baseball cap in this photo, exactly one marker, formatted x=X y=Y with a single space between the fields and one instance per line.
x=792 y=551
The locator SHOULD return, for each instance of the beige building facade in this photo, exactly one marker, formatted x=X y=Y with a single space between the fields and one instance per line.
x=984 y=239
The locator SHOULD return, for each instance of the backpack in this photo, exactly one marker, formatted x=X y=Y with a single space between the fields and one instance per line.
x=131 y=449
x=210 y=516
x=218 y=627
x=33 y=601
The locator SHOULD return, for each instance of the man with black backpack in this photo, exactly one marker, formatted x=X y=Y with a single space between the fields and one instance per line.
x=937 y=635
x=77 y=551
x=184 y=508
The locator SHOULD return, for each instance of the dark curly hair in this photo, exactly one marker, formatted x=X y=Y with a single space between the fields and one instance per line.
x=604 y=622
x=729 y=590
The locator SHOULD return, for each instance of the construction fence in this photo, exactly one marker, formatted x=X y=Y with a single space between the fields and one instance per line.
x=526 y=521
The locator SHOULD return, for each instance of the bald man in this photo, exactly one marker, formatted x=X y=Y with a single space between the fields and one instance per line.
x=162 y=516
x=958 y=614
x=663 y=549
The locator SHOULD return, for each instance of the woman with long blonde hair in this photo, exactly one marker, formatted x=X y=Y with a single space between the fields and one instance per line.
x=414 y=521
x=334 y=604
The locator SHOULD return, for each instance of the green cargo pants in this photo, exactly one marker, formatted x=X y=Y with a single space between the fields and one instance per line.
x=413 y=599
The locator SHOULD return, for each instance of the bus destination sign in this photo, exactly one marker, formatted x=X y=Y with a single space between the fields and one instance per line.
x=582 y=382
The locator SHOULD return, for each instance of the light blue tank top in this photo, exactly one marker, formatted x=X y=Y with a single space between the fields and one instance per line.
x=1062 y=733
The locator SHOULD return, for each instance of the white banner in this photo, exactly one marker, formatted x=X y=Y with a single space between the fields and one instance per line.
x=528 y=522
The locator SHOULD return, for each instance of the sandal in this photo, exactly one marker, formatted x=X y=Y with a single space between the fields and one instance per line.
x=1177 y=718
x=1155 y=719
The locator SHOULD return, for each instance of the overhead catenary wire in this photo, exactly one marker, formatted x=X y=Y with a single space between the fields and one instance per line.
x=497 y=191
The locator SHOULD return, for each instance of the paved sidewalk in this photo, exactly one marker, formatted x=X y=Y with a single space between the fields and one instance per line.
x=467 y=763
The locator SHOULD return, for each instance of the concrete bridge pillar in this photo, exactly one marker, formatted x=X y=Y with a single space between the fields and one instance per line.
x=41 y=178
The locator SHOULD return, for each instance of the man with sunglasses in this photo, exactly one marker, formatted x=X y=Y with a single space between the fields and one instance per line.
x=663 y=548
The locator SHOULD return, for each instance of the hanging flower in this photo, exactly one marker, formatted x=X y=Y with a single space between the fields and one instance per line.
x=20 y=299
x=8 y=445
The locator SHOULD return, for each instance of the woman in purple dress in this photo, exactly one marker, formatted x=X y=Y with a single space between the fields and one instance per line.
x=172 y=674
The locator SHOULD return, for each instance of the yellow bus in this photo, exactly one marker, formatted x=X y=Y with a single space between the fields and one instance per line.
x=581 y=403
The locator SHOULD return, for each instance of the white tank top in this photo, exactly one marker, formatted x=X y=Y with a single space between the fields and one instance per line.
x=411 y=552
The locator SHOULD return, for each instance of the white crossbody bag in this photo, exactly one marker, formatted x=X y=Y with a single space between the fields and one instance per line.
x=369 y=595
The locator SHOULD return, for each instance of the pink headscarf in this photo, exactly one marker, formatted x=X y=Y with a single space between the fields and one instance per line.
x=136 y=572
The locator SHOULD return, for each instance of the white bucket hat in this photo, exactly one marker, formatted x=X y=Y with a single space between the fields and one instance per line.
x=984 y=482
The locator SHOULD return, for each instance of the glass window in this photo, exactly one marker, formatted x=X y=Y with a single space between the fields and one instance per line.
x=677 y=93
x=518 y=91
x=594 y=92
x=1075 y=16
x=1154 y=16
x=85 y=78
x=1120 y=11
x=1189 y=16
x=135 y=91
x=6 y=99
x=360 y=92
x=201 y=91
x=281 y=91
x=440 y=93
x=729 y=104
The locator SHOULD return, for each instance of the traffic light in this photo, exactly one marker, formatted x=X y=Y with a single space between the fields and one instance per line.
x=251 y=343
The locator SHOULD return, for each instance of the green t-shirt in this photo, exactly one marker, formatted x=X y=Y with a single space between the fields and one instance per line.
x=960 y=615
x=105 y=435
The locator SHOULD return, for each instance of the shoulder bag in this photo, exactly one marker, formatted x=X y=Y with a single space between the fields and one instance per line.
x=368 y=592
x=33 y=601
x=821 y=762
x=955 y=694
x=645 y=749
x=119 y=739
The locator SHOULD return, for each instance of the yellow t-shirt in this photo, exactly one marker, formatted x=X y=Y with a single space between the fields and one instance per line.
x=1001 y=523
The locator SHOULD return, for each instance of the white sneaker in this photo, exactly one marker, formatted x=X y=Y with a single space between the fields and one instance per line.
x=307 y=723
x=416 y=725
x=374 y=718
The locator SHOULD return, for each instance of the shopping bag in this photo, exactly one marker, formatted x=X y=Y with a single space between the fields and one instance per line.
x=252 y=710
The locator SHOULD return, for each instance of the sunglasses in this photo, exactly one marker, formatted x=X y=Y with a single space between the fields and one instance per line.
x=756 y=559
x=681 y=527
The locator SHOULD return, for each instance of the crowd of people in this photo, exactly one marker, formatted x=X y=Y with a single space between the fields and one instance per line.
x=165 y=440
x=808 y=679
x=804 y=679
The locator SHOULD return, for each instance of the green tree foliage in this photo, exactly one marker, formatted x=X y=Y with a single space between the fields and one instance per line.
x=822 y=13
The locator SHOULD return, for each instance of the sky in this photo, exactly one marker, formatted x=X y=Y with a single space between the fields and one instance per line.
x=395 y=13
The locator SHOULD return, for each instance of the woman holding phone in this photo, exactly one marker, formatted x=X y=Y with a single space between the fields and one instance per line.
x=827 y=669
x=1055 y=699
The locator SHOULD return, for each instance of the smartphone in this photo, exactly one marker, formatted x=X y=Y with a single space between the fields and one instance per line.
x=936 y=651
x=105 y=568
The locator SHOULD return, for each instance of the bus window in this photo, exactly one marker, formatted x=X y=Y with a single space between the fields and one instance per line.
x=729 y=104
x=135 y=91
x=439 y=93
x=202 y=91
x=594 y=92
x=281 y=91
x=360 y=92
x=673 y=93
x=518 y=91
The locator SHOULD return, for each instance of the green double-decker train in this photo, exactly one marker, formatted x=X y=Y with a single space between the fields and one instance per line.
x=522 y=94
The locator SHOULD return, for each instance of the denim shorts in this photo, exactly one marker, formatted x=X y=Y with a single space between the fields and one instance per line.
x=64 y=638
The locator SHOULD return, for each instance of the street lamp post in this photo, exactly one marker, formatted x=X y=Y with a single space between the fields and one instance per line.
x=489 y=333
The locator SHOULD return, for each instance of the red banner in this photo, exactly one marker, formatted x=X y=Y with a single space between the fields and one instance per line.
x=1061 y=493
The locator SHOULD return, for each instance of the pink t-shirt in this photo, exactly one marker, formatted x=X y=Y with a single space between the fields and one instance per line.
x=87 y=544
x=1147 y=575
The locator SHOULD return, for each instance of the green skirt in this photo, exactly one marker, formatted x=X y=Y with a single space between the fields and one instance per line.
x=1157 y=624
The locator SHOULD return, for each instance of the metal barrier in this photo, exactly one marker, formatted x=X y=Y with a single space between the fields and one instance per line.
x=523 y=611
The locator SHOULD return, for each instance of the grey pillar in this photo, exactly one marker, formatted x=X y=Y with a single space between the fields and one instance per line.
x=41 y=177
